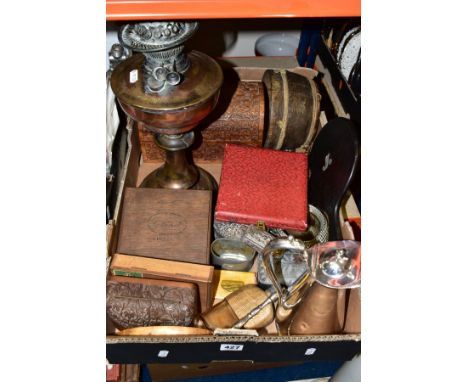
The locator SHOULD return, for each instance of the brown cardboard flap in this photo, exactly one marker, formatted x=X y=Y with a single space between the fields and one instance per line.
x=331 y=92
x=228 y=339
x=129 y=178
x=353 y=314
x=259 y=62
x=256 y=74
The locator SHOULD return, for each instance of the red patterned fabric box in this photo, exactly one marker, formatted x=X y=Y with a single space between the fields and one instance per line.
x=263 y=185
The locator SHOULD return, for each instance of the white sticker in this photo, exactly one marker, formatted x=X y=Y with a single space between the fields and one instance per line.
x=133 y=76
x=310 y=351
x=163 y=353
x=231 y=347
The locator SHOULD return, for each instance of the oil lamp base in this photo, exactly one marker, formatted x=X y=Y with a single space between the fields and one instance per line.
x=159 y=179
x=177 y=173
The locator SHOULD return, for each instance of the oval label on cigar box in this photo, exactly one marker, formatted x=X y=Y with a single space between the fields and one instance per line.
x=231 y=347
x=166 y=224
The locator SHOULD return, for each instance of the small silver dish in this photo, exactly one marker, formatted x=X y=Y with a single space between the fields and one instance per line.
x=231 y=255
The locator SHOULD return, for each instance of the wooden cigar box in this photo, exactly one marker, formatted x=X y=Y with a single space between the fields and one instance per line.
x=166 y=224
x=135 y=266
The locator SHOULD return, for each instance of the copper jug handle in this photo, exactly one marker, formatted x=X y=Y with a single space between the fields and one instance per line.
x=275 y=248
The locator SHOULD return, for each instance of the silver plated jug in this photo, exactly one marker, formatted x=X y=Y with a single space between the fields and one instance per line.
x=334 y=264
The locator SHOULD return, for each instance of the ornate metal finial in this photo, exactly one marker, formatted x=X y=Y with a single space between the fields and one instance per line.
x=161 y=44
x=117 y=54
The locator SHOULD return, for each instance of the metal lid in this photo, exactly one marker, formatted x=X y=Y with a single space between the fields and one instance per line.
x=157 y=35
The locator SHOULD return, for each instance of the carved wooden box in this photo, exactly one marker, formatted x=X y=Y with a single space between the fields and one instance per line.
x=132 y=302
x=237 y=118
x=137 y=266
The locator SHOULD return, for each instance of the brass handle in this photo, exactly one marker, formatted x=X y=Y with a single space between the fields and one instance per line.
x=275 y=248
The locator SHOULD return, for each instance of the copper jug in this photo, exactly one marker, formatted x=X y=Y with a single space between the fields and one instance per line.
x=331 y=266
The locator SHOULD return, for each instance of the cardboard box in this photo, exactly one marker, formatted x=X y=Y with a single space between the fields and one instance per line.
x=205 y=349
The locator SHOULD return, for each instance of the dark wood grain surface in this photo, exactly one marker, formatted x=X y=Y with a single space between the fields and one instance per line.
x=166 y=224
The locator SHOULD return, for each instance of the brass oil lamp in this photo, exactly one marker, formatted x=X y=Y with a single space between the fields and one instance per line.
x=169 y=92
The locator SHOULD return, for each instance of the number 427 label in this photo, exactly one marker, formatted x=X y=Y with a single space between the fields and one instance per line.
x=231 y=347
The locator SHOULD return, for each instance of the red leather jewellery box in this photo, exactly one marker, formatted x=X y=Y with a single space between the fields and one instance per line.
x=263 y=185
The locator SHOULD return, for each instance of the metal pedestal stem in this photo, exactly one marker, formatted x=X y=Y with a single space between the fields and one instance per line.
x=177 y=172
